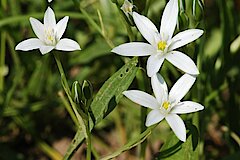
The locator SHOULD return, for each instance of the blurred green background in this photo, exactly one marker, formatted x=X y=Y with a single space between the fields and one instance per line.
x=33 y=121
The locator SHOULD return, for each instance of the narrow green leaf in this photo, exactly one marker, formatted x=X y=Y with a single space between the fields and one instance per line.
x=132 y=143
x=195 y=135
x=174 y=149
x=112 y=90
x=106 y=99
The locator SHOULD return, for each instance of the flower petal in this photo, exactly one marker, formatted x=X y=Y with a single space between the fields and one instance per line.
x=142 y=98
x=169 y=19
x=160 y=89
x=66 y=44
x=187 y=107
x=154 y=117
x=146 y=27
x=154 y=63
x=177 y=125
x=180 y=88
x=134 y=49
x=61 y=27
x=38 y=28
x=29 y=44
x=46 y=49
x=182 y=62
x=185 y=37
x=49 y=18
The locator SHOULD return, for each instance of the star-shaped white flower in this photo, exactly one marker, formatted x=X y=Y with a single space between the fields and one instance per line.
x=162 y=45
x=49 y=35
x=167 y=105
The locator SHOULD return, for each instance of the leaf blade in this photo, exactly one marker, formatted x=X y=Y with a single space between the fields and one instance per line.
x=120 y=81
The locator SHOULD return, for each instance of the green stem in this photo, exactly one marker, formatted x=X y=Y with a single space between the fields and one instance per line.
x=141 y=85
x=2 y=59
x=68 y=107
x=85 y=126
x=60 y=68
x=131 y=143
x=91 y=21
x=67 y=89
x=127 y=25
x=52 y=153
x=89 y=143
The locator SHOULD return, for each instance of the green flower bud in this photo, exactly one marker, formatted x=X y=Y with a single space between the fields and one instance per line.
x=76 y=92
x=87 y=89
x=198 y=10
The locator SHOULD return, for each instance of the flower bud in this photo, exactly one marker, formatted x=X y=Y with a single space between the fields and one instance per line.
x=87 y=89
x=76 y=92
x=127 y=8
x=198 y=10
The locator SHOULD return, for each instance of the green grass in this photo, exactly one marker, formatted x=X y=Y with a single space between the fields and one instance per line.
x=33 y=118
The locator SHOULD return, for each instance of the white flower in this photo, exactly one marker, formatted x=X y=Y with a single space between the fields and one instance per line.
x=49 y=35
x=127 y=7
x=162 y=45
x=167 y=105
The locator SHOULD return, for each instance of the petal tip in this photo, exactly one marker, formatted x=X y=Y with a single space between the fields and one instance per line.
x=125 y=93
x=149 y=123
x=17 y=47
x=183 y=139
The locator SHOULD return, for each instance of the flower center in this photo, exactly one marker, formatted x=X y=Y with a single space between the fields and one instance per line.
x=50 y=36
x=162 y=45
x=166 y=105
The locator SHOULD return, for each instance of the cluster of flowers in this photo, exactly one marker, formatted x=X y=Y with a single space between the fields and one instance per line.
x=162 y=46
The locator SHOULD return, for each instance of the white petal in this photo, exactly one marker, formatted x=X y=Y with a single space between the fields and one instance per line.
x=177 y=125
x=154 y=117
x=49 y=0
x=160 y=89
x=38 y=28
x=146 y=27
x=154 y=63
x=46 y=49
x=49 y=18
x=183 y=62
x=186 y=107
x=185 y=37
x=134 y=49
x=142 y=98
x=61 y=27
x=66 y=44
x=180 y=88
x=29 y=44
x=169 y=19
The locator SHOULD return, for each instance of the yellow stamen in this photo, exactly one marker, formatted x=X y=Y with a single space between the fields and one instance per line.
x=129 y=9
x=49 y=36
x=166 y=105
x=162 y=45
